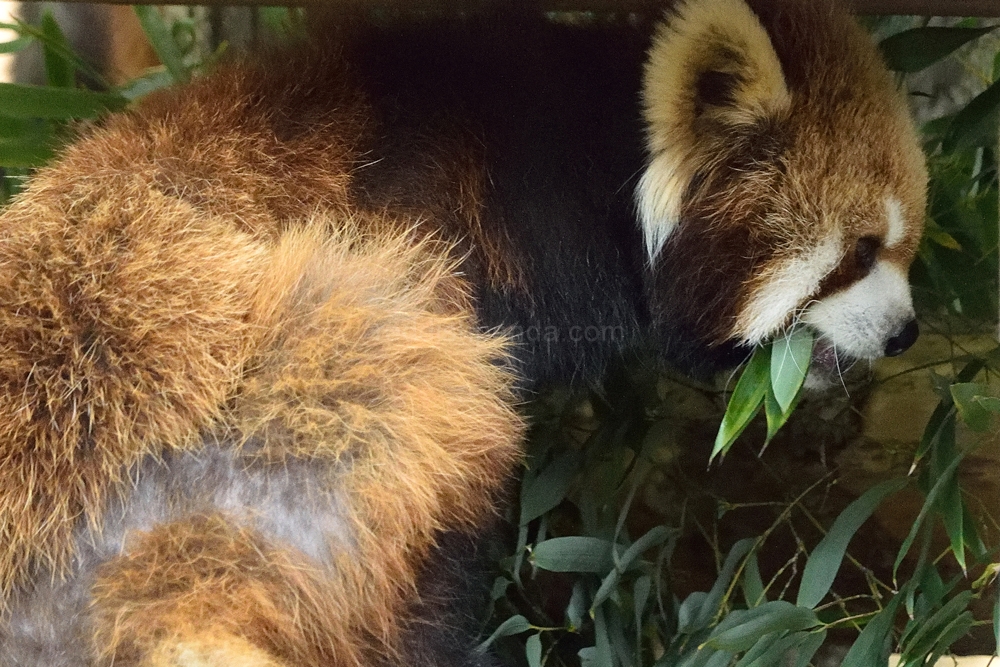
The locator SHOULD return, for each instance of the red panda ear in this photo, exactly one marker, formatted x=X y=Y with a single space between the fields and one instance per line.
x=711 y=70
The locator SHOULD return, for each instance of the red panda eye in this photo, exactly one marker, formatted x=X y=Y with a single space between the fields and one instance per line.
x=866 y=252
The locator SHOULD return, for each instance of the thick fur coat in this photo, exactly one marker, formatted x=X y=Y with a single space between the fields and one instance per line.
x=261 y=335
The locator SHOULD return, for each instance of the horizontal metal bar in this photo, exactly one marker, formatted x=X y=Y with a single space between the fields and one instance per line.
x=986 y=8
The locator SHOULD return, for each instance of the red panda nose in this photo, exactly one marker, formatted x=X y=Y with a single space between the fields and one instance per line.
x=902 y=341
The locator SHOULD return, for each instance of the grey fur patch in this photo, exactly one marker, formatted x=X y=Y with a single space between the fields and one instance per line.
x=293 y=503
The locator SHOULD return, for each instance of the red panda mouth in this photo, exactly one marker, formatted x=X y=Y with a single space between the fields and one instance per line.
x=824 y=356
x=827 y=365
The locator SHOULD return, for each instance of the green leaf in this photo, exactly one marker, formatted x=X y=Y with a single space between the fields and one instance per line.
x=514 y=625
x=790 y=356
x=941 y=424
x=689 y=612
x=869 y=649
x=144 y=85
x=990 y=403
x=953 y=514
x=745 y=401
x=936 y=628
x=769 y=617
x=655 y=536
x=161 y=38
x=576 y=607
x=608 y=585
x=616 y=632
x=545 y=491
x=753 y=585
x=640 y=595
x=575 y=553
x=533 y=651
x=719 y=659
x=913 y=50
x=31 y=150
x=768 y=647
x=972 y=411
x=976 y=124
x=19 y=127
x=942 y=238
x=780 y=651
x=824 y=562
x=714 y=598
x=499 y=590
x=603 y=655
x=809 y=647
x=939 y=486
x=59 y=70
x=61 y=48
x=15 y=45
x=24 y=101
x=950 y=634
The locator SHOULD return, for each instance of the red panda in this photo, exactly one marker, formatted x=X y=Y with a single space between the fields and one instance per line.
x=262 y=334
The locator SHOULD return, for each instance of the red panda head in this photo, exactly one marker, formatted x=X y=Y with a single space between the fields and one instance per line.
x=785 y=183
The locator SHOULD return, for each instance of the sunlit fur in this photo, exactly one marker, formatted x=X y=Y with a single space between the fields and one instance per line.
x=233 y=411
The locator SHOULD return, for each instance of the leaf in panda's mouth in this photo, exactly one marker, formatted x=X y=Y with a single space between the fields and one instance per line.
x=773 y=378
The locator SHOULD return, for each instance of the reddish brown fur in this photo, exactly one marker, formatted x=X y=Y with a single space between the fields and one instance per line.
x=784 y=142
x=157 y=287
x=205 y=576
x=841 y=142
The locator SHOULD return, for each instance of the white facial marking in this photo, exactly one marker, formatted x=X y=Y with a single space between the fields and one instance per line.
x=860 y=320
x=897 y=224
x=788 y=286
x=658 y=197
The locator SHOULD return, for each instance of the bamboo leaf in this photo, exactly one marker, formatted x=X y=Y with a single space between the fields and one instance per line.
x=574 y=554
x=824 y=562
x=939 y=486
x=533 y=651
x=953 y=515
x=790 y=356
x=514 y=625
x=15 y=45
x=745 y=401
x=655 y=536
x=24 y=101
x=711 y=602
x=603 y=655
x=545 y=491
x=869 y=649
x=640 y=595
x=59 y=69
x=576 y=607
x=753 y=584
x=809 y=648
x=931 y=630
x=755 y=623
x=967 y=397
x=162 y=40
x=918 y=48
x=30 y=150
x=976 y=123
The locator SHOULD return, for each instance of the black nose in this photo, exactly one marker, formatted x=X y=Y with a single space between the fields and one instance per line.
x=902 y=341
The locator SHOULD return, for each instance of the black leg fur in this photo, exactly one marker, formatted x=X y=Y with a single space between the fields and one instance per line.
x=443 y=625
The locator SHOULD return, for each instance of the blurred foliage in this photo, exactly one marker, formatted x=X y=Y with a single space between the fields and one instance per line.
x=619 y=516
x=36 y=120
